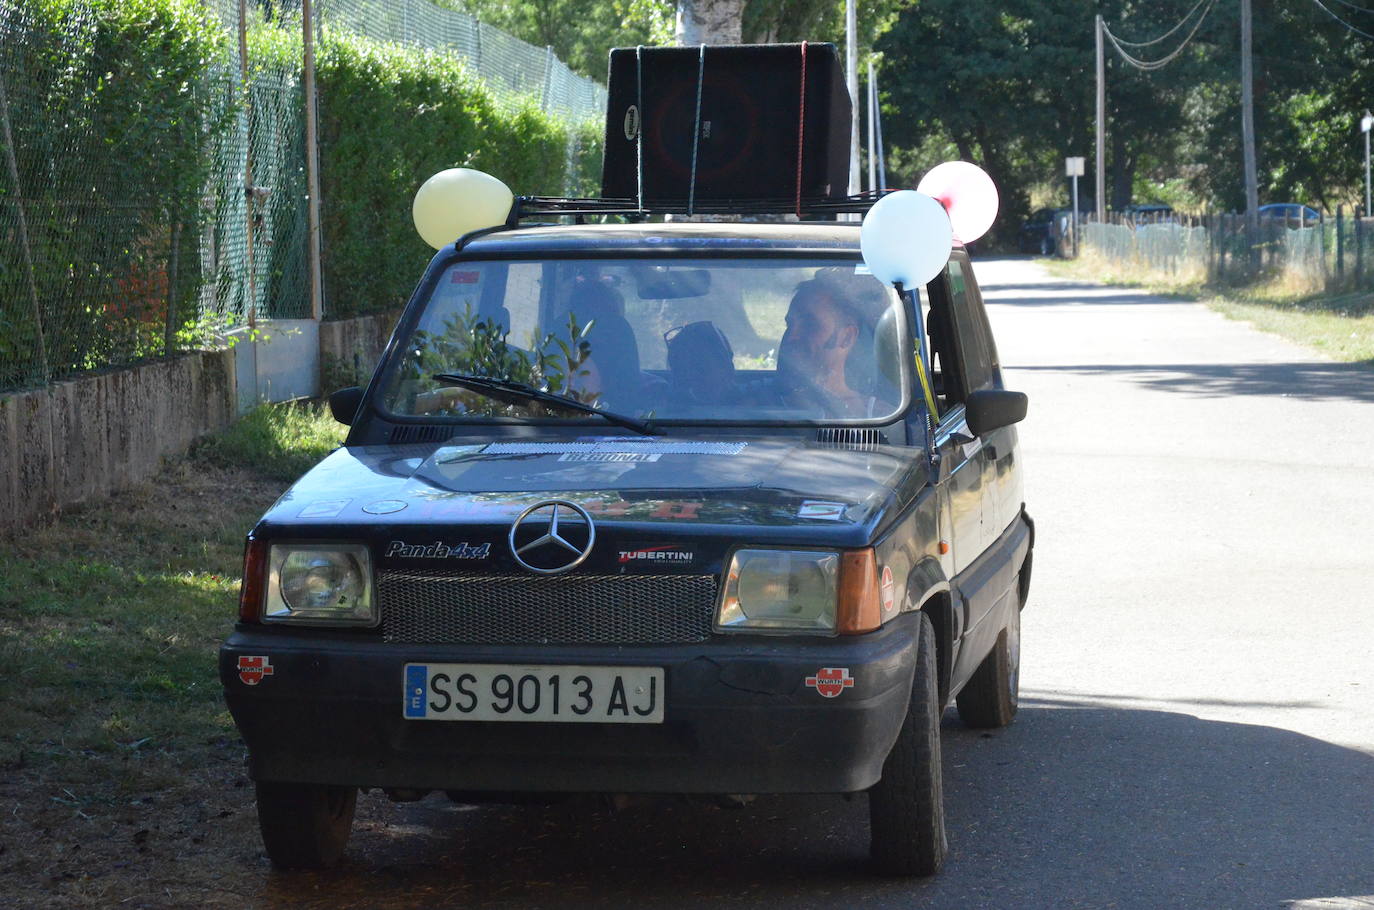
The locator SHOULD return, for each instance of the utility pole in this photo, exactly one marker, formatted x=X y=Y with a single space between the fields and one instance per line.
x=312 y=162
x=1101 y=186
x=872 y=130
x=878 y=120
x=851 y=48
x=1247 y=119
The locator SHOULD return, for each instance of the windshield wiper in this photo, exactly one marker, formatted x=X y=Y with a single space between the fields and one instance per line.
x=512 y=392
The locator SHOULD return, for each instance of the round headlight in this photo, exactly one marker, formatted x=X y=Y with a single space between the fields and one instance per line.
x=320 y=580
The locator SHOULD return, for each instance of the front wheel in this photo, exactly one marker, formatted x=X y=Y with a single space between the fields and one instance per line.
x=991 y=696
x=305 y=826
x=906 y=808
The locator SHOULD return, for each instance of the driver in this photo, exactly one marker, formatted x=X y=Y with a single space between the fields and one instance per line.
x=822 y=329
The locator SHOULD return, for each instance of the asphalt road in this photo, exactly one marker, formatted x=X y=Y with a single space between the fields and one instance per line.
x=1197 y=717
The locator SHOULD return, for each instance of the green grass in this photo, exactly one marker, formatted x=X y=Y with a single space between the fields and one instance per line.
x=1341 y=326
x=280 y=441
x=110 y=618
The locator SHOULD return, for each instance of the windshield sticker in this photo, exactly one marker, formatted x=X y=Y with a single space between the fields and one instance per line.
x=610 y=456
x=826 y=511
x=830 y=681
x=437 y=550
x=616 y=445
x=657 y=554
x=384 y=507
x=465 y=278
x=253 y=669
x=324 y=508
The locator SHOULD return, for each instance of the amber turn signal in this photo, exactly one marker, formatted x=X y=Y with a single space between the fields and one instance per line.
x=254 y=580
x=859 y=609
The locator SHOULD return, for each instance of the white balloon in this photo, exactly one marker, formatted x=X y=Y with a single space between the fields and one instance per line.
x=906 y=237
x=967 y=193
x=457 y=201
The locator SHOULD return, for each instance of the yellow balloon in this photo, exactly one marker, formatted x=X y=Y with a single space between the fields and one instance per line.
x=457 y=201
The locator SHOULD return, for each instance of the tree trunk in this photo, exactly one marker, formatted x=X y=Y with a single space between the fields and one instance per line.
x=709 y=21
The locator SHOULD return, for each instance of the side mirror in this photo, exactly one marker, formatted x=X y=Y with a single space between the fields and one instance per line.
x=344 y=403
x=992 y=409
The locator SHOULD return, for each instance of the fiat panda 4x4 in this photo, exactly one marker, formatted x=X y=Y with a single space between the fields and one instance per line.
x=683 y=508
x=645 y=508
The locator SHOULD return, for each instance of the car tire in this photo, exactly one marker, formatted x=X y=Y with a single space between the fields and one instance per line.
x=305 y=826
x=1046 y=246
x=906 y=808
x=990 y=698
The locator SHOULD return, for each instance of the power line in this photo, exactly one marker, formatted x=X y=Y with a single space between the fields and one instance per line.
x=1182 y=22
x=1352 y=28
x=1151 y=65
x=1355 y=6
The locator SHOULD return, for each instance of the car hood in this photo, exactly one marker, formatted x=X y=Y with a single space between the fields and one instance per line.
x=768 y=481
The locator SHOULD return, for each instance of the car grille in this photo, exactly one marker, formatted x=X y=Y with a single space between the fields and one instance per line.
x=451 y=607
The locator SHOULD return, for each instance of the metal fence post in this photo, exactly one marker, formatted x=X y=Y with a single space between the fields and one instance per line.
x=312 y=163
x=1359 y=248
x=1340 y=242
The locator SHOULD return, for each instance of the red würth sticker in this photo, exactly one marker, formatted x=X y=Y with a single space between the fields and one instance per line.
x=830 y=681
x=253 y=669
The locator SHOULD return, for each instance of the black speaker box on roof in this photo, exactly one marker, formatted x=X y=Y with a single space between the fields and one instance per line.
x=766 y=110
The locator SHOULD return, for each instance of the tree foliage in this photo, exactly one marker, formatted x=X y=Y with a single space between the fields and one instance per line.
x=1012 y=87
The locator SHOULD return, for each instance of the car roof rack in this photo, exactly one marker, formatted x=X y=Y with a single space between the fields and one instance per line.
x=635 y=210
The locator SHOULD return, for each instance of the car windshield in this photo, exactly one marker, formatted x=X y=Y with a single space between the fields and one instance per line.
x=693 y=340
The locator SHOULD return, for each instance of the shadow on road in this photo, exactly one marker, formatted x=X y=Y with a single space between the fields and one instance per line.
x=1312 y=380
x=1087 y=806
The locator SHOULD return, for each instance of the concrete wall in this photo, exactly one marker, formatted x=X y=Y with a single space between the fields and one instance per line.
x=350 y=349
x=80 y=440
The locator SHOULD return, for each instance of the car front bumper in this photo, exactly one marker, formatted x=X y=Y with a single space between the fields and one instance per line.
x=739 y=716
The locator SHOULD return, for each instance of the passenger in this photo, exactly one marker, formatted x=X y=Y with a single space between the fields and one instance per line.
x=701 y=363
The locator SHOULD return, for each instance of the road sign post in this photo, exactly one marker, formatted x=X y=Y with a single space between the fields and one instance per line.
x=1366 y=122
x=1073 y=167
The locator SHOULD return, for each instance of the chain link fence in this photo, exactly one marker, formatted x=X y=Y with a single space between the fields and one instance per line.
x=1331 y=254
x=153 y=192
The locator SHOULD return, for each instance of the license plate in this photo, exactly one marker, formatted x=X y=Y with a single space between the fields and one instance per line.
x=502 y=692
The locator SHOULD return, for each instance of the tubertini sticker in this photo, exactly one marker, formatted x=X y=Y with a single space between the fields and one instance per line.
x=830 y=681
x=324 y=508
x=657 y=555
x=826 y=511
x=384 y=507
x=252 y=669
x=632 y=122
x=888 y=590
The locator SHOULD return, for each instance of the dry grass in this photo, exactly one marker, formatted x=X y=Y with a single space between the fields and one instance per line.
x=1341 y=326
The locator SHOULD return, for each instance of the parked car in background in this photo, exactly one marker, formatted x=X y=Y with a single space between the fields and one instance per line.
x=1147 y=213
x=1292 y=212
x=1038 y=233
x=1041 y=232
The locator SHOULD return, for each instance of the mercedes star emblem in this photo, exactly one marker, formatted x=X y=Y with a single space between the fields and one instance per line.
x=553 y=552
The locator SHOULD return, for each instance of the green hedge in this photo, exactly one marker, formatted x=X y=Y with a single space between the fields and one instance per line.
x=392 y=116
x=110 y=103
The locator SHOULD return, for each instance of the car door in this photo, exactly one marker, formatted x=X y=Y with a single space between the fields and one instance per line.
x=962 y=474
x=999 y=446
x=968 y=463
